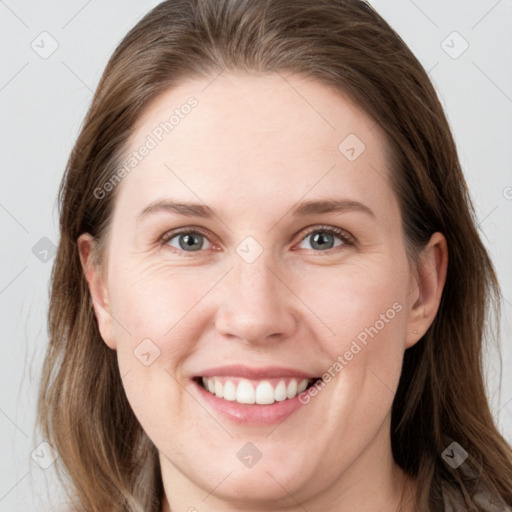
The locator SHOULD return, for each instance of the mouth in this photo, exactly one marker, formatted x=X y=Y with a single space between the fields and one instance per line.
x=252 y=391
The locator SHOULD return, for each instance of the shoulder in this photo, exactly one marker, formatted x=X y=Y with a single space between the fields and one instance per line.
x=453 y=501
x=491 y=502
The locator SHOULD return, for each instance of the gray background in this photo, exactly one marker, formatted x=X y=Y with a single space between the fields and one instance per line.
x=43 y=99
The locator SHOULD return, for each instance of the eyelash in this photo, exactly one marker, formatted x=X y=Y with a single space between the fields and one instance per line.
x=343 y=235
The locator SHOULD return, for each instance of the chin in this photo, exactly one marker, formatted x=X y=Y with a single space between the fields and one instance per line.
x=265 y=484
x=260 y=489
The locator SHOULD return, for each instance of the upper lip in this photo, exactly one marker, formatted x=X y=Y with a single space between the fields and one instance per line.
x=247 y=372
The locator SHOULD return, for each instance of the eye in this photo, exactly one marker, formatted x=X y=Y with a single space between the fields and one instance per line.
x=193 y=240
x=325 y=238
x=187 y=240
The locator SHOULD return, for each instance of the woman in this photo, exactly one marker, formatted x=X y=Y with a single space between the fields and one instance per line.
x=269 y=292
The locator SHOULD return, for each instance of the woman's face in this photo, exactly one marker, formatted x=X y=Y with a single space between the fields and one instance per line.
x=256 y=293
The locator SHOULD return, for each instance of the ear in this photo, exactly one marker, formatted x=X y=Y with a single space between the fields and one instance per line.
x=426 y=288
x=97 y=286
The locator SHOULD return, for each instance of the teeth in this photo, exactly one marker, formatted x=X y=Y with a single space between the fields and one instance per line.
x=219 y=389
x=229 y=391
x=244 y=392
x=291 y=390
x=301 y=387
x=264 y=393
x=280 y=392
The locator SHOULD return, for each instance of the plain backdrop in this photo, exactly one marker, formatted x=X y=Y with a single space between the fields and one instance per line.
x=52 y=56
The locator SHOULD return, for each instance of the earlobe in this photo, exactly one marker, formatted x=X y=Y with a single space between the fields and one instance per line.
x=429 y=281
x=97 y=287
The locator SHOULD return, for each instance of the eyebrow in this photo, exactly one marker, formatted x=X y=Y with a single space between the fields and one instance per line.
x=299 y=210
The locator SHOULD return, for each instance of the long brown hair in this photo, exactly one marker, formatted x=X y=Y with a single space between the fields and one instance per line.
x=83 y=411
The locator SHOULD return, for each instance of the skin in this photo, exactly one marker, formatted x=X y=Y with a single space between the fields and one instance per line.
x=252 y=148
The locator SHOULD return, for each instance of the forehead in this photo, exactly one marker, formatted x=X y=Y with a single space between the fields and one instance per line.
x=254 y=138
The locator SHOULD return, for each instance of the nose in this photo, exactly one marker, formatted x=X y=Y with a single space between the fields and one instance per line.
x=257 y=304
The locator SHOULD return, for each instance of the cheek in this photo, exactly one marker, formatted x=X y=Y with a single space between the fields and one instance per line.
x=357 y=300
x=158 y=303
x=358 y=303
x=340 y=307
x=156 y=311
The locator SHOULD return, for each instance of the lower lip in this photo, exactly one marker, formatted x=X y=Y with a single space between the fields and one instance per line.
x=252 y=414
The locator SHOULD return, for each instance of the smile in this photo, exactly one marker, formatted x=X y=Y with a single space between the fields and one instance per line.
x=261 y=392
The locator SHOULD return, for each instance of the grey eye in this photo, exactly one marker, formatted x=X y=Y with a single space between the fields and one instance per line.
x=190 y=241
x=322 y=239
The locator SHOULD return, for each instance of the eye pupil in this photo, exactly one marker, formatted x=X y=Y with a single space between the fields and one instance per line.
x=190 y=241
x=320 y=239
